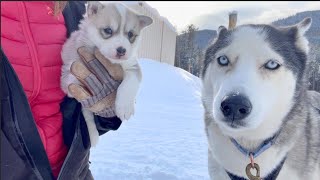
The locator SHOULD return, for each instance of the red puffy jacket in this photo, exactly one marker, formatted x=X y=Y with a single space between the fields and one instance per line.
x=32 y=38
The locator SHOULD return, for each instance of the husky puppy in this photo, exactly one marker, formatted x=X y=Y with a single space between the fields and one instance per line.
x=114 y=29
x=254 y=91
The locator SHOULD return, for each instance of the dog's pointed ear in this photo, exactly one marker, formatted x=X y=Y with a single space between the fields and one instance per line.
x=297 y=33
x=222 y=30
x=144 y=21
x=93 y=7
x=304 y=25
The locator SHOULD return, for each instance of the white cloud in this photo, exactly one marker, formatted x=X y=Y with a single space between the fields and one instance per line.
x=210 y=15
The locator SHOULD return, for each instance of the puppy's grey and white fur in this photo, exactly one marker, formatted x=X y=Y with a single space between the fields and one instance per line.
x=280 y=102
x=92 y=33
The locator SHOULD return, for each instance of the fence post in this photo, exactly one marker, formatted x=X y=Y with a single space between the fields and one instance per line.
x=232 y=19
x=161 y=44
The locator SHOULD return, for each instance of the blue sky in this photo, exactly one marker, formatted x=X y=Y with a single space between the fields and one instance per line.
x=210 y=15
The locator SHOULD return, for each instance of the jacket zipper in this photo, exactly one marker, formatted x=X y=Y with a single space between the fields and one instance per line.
x=33 y=52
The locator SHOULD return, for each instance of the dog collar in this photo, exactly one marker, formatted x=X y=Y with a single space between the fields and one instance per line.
x=266 y=144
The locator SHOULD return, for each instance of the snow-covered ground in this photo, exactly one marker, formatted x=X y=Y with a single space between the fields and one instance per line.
x=165 y=139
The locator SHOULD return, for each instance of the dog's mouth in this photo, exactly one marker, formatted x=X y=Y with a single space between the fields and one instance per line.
x=231 y=128
x=231 y=124
x=234 y=124
x=120 y=58
x=117 y=59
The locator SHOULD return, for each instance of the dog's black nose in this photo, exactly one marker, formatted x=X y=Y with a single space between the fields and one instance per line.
x=235 y=107
x=121 y=51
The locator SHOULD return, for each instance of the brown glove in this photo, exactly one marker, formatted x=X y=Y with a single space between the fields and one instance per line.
x=100 y=80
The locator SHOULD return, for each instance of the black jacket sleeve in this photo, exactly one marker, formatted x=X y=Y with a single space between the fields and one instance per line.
x=106 y=124
x=22 y=153
x=71 y=111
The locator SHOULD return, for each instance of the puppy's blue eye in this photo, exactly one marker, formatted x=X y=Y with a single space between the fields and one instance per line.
x=108 y=31
x=272 y=65
x=130 y=34
x=223 y=60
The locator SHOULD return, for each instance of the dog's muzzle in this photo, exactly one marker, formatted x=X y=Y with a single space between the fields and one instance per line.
x=235 y=107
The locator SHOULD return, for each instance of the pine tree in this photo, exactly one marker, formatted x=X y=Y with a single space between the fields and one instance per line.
x=188 y=54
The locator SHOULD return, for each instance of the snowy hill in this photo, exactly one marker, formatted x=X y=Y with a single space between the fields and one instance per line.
x=165 y=140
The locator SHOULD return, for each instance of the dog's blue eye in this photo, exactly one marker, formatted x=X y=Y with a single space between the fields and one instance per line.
x=108 y=30
x=272 y=65
x=130 y=34
x=223 y=60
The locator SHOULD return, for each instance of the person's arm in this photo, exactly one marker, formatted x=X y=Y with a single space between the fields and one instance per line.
x=71 y=110
x=100 y=80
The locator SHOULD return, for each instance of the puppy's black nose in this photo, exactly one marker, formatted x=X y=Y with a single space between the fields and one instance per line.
x=235 y=107
x=121 y=51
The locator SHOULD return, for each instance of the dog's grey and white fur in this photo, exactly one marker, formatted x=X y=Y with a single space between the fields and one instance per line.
x=108 y=26
x=267 y=67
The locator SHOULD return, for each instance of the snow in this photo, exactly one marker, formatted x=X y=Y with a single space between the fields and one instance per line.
x=165 y=139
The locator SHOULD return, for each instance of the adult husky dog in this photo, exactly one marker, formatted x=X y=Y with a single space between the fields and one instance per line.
x=257 y=107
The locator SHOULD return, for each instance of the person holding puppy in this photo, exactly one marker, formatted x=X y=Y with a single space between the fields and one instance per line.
x=43 y=132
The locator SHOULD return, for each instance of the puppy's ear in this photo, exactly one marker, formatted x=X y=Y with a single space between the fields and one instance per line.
x=144 y=21
x=93 y=7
